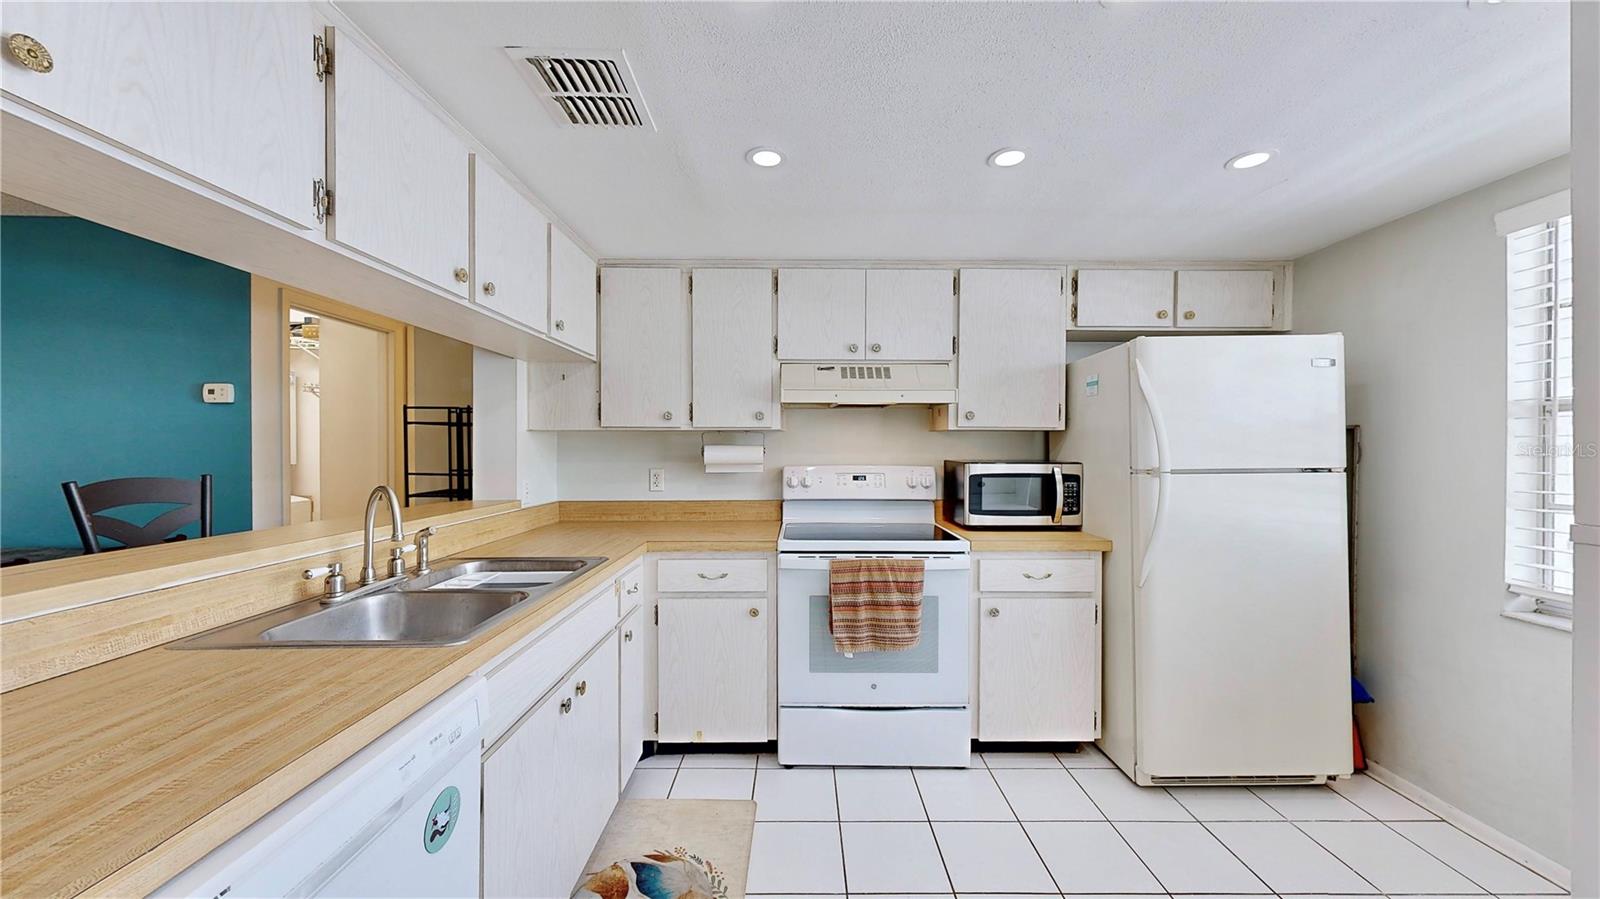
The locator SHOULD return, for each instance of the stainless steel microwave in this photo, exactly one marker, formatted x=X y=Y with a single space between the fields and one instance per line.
x=1014 y=494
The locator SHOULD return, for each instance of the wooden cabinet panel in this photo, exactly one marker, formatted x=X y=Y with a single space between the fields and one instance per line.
x=734 y=368
x=713 y=669
x=223 y=92
x=563 y=396
x=1124 y=298
x=1225 y=299
x=911 y=314
x=1038 y=575
x=1013 y=362
x=644 y=348
x=572 y=293
x=822 y=314
x=399 y=175
x=1038 y=668
x=510 y=256
x=711 y=575
x=630 y=693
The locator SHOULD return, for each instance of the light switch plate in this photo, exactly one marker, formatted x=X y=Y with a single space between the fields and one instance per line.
x=216 y=393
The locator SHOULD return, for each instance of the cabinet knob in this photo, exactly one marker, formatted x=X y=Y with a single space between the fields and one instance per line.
x=582 y=689
x=854 y=347
x=761 y=416
x=461 y=275
x=566 y=706
x=1161 y=313
x=970 y=415
x=488 y=288
x=561 y=325
x=627 y=636
x=33 y=55
x=755 y=612
x=877 y=348
x=994 y=613
x=1188 y=315
x=666 y=416
x=632 y=590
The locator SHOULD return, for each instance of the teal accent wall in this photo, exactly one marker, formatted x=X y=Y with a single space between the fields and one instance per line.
x=105 y=339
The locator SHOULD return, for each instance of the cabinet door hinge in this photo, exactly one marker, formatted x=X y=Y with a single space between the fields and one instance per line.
x=1096 y=720
x=597 y=407
x=955 y=282
x=1074 y=284
x=1060 y=409
x=691 y=413
x=954 y=344
x=691 y=285
x=774 y=282
x=597 y=284
x=656 y=723
x=321 y=57
x=774 y=344
x=321 y=200
x=657 y=611
x=1074 y=312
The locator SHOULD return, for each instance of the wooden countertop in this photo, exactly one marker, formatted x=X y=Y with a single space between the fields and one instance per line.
x=118 y=776
x=1038 y=540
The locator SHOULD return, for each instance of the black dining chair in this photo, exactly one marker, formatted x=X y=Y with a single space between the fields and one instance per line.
x=193 y=499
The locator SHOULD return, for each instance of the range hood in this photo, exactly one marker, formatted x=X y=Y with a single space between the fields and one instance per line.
x=860 y=384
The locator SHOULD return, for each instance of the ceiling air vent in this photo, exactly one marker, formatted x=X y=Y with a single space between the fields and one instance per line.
x=585 y=88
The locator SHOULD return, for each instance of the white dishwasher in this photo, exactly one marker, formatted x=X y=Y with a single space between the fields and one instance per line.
x=402 y=817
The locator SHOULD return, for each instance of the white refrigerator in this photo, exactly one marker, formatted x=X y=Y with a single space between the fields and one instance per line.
x=1216 y=465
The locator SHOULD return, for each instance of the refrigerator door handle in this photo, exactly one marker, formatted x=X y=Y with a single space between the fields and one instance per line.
x=1061 y=499
x=1163 y=479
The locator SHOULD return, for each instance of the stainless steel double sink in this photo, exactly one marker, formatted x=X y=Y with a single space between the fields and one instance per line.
x=445 y=607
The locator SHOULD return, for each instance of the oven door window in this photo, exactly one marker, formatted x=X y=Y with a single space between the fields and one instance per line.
x=920 y=659
x=1023 y=495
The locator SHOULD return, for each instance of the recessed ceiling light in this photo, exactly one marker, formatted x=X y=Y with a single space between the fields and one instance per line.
x=1249 y=160
x=765 y=157
x=1006 y=158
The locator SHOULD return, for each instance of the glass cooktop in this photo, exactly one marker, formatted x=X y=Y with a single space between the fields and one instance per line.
x=849 y=531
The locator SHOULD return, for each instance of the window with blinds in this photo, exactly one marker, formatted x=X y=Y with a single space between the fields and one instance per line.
x=1539 y=438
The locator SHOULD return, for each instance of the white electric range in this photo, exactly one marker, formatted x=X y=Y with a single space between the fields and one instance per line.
x=904 y=708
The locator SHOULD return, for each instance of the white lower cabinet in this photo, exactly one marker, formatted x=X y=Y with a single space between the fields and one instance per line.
x=713 y=665
x=550 y=784
x=1038 y=664
x=631 y=705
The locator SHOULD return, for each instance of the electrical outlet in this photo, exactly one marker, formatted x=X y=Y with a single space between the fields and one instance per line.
x=658 y=480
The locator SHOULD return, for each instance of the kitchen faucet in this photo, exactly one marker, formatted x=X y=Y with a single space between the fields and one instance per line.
x=397 y=560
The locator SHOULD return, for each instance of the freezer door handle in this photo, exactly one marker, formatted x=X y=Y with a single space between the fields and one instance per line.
x=1163 y=479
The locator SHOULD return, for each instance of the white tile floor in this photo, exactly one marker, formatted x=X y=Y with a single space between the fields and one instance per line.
x=1036 y=823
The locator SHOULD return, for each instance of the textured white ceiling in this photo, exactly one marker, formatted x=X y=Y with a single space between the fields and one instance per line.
x=886 y=113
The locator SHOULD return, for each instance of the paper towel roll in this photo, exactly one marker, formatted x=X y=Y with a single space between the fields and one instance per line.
x=725 y=458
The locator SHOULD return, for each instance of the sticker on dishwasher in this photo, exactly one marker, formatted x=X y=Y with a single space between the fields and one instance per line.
x=1091 y=385
x=441 y=820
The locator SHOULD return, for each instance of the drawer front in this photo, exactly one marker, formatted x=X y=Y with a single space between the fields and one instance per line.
x=630 y=590
x=1037 y=575
x=711 y=576
x=519 y=682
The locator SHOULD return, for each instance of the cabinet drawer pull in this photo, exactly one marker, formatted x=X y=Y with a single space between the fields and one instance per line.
x=994 y=613
x=711 y=577
x=666 y=416
x=561 y=325
x=755 y=612
x=488 y=288
x=627 y=636
x=1038 y=577
x=1161 y=314
x=854 y=347
x=761 y=416
x=566 y=706
x=970 y=415
x=27 y=50
x=877 y=348
x=632 y=590
x=582 y=689
x=460 y=275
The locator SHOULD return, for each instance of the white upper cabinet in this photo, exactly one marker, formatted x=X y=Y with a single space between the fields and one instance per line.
x=226 y=93
x=1013 y=364
x=734 y=369
x=563 y=396
x=510 y=251
x=644 y=348
x=822 y=314
x=572 y=293
x=1225 y=299
x=399 y=175
x=911 y=314
x=1130 y=298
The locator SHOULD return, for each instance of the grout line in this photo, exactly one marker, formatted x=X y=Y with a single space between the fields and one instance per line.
x=1312 y=837
x=1020 y=826
x=939 y=848
x=1113 y=826
x=844 y=863
x=1390 y=825
x=1436 y=858
x=1242 y=863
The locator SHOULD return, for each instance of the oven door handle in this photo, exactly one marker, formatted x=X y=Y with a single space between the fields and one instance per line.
x=1061 y=497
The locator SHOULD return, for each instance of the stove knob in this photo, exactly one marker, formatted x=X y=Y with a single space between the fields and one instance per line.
x=927 y=480
x=911 y=480
x=805 y=481
x=792 y=481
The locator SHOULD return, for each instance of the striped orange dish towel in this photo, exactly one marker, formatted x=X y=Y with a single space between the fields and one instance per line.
x=875 y=605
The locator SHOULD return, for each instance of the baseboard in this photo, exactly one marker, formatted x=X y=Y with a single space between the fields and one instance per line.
x=1540 y=865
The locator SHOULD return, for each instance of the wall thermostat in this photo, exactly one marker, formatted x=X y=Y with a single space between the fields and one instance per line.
x=217 y=393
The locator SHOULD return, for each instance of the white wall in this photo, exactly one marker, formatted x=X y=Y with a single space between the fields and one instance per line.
x=1472 y=707
x=508 y=460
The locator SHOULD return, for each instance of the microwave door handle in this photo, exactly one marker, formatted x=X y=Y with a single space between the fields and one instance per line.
x=1061 y=497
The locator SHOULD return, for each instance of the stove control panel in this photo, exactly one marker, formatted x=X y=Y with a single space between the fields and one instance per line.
x=859 y=482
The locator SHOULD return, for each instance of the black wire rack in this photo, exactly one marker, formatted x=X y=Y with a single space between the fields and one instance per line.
x=454 y=423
